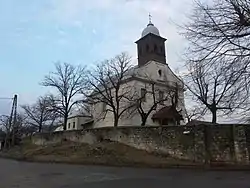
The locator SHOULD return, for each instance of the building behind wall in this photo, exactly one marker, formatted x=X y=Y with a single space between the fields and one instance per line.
x=152 y=67
x=77 y=122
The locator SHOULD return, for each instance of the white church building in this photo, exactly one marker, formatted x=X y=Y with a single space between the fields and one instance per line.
x=152 y=67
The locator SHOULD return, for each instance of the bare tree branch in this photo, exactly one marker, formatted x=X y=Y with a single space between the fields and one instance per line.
x=169 y=95
x=218 y=57
x=68 y=81
x=8 y=128
x=40 y=113
x=216 y=86
x=107 y=87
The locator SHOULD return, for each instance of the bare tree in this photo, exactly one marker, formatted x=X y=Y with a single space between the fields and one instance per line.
x=6 y=127
x=108 y=86
x=218 y=55
x=83 y=107
x=220 y=29
x=9 y=130
x=157 y=96
x=214 y=86
x=68 y=81
x=40 y=114
x=195 y=113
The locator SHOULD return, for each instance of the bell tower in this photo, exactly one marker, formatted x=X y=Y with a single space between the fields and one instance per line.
x=151 y=46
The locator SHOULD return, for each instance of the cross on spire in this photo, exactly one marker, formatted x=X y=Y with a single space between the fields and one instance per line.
x=150 y=18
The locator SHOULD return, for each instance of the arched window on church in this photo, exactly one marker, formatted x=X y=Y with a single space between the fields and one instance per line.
x=160 y=72
x=155 y=48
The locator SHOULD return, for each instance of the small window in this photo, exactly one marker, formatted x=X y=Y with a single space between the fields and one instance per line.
x=74 y=125
x=143 y=94
x=147 y=47
x=155 y=48
x=68 y=125
x=160 y=72
x=161 y=99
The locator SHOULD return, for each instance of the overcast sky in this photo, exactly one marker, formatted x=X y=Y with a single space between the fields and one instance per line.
x=36 y=33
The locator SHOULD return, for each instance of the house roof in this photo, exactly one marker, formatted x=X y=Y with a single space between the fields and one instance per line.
x=76 y=116
x=87 y=123
x=167 y=112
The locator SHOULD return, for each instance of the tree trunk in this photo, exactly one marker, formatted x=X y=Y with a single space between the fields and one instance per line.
x=116 y=119
x=143 y=121
x=40 y=128
x=143 y=118
x=40 y=124
x=6 y=140
x=214 y=115
x=65 y=122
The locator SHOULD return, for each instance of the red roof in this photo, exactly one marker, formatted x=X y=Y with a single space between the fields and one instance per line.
x=167 y=112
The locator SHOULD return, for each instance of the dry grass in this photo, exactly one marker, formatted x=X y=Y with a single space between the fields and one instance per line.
x=103 y=153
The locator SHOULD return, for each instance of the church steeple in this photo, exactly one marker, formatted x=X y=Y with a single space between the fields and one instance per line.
x=150 y=18
x=151 y=46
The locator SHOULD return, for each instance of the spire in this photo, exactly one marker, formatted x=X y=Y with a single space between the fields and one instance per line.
x=150 y=19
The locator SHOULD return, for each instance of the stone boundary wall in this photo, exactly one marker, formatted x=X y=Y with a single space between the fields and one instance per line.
x=226 y=143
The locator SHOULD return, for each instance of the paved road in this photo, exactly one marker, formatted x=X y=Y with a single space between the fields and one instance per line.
x=33 y=175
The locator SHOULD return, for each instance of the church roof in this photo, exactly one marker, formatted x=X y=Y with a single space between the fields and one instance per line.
x=150 y=29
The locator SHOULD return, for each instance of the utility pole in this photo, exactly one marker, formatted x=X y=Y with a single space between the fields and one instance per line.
x=14 y=117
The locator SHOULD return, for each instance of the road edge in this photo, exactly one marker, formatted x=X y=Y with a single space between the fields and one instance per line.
x=202 y=167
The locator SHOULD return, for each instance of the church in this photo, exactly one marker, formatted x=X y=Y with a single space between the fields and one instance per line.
x=152 y=67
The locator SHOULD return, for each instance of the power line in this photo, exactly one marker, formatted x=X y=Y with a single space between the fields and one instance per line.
x=6 y=98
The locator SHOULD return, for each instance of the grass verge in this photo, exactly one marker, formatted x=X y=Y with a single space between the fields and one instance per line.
x=105 y=153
